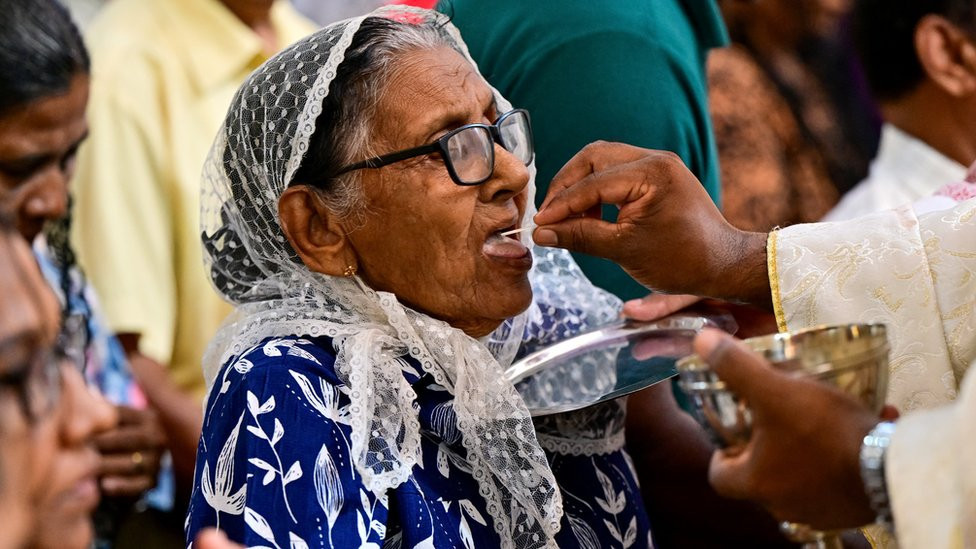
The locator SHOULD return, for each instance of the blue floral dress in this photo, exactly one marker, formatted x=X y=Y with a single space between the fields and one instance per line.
x=273 y=466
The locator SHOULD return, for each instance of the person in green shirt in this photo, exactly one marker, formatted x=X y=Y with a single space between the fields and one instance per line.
x=632 y=72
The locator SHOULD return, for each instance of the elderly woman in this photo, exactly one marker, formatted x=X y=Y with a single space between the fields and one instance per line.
x=354 y=209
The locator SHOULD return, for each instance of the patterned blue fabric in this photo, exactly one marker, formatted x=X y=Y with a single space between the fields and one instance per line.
x=273 y=468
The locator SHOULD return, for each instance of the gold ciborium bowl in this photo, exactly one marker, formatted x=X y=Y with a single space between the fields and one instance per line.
x=852 y=358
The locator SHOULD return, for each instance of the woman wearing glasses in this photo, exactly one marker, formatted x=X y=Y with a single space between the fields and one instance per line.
x=355 y=210
x=48 y=416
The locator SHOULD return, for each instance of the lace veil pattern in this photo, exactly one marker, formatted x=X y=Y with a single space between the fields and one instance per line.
x=257 y=151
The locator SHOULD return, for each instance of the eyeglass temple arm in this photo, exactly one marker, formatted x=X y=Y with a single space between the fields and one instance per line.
x=386 y=159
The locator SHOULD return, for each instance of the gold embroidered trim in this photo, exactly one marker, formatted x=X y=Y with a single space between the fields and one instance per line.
x=773 y=274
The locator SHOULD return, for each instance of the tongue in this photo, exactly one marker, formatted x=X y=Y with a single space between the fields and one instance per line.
x=500 y=246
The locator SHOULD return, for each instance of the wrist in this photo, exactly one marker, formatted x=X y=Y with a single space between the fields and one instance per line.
x=874 y=449
x=741 y=274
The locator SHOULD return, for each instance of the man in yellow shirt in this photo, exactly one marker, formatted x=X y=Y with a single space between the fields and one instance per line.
x=163 y=75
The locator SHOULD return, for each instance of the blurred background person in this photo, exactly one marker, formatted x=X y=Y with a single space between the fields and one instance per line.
x=44 y=77
x=163 y=74
x=50 y=416
x=788 y=148
x=621 y=71
x=28 y=322
x=918 y=58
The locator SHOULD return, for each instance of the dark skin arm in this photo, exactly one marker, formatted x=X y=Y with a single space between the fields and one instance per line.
x=668 y=234
x=180 y=415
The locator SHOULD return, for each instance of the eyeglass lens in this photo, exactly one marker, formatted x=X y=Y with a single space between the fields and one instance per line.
x=516 y=137
x=45 y=384
x=472 y=153
x=472 y=150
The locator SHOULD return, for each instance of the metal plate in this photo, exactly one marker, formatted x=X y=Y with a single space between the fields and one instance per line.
x=604 y=364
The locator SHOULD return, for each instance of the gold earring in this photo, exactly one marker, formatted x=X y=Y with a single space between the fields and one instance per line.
x=350 y=271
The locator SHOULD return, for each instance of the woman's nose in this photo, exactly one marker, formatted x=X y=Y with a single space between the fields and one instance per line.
x=509 y=178
x=47 y=199
x=85 y=412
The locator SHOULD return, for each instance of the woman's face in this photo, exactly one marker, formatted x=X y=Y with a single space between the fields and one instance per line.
x=29 y=318
x=70 y=493
x=38 y=145
x=431 y=242
x=47 y=460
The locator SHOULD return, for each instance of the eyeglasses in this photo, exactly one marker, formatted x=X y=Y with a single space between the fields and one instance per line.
x=469 y=151
x=38 y=385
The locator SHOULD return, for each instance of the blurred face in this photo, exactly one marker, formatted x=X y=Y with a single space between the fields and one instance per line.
x=38 y=145
x=29 y=317
x=70 y=493
x=431 y=242
x=48 y=415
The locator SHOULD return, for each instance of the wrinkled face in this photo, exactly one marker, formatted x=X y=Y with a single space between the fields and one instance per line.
x=29 y=318
x=431 y=242
x=38 y=143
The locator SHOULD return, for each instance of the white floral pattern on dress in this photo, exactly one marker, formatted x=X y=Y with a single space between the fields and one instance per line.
x=282 y=475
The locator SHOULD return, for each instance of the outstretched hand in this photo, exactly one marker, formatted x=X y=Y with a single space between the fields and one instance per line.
x=668 y=234
x=802 y=459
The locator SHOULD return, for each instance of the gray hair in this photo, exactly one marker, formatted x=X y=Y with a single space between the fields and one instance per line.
x=345 y=130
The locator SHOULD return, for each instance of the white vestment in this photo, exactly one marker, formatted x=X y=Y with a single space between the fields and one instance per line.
x=931 y=473
x=917 y=274
x=905 y=170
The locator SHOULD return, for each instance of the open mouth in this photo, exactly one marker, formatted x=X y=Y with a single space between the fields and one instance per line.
x=505 y=243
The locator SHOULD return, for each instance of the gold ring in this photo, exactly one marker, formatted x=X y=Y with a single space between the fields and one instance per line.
x=138 y=460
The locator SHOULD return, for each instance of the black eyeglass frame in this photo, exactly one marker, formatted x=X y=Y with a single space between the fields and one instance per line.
x=42 y=377
x=440 y=146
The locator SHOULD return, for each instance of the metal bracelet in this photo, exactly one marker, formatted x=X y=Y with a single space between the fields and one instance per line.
x=873 y=450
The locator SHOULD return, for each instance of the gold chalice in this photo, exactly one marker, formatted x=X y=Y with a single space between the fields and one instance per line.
x=852 y=358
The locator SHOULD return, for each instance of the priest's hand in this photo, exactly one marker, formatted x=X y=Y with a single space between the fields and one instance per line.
x=802 y=459
x=668 y=234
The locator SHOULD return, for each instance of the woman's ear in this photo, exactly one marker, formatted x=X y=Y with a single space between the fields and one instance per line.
x=315 y=233
x=947 y=54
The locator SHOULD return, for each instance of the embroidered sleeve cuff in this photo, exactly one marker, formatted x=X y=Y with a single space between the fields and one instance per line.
x=774 y=281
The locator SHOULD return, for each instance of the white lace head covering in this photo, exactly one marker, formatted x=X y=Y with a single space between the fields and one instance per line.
x=261 y=144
